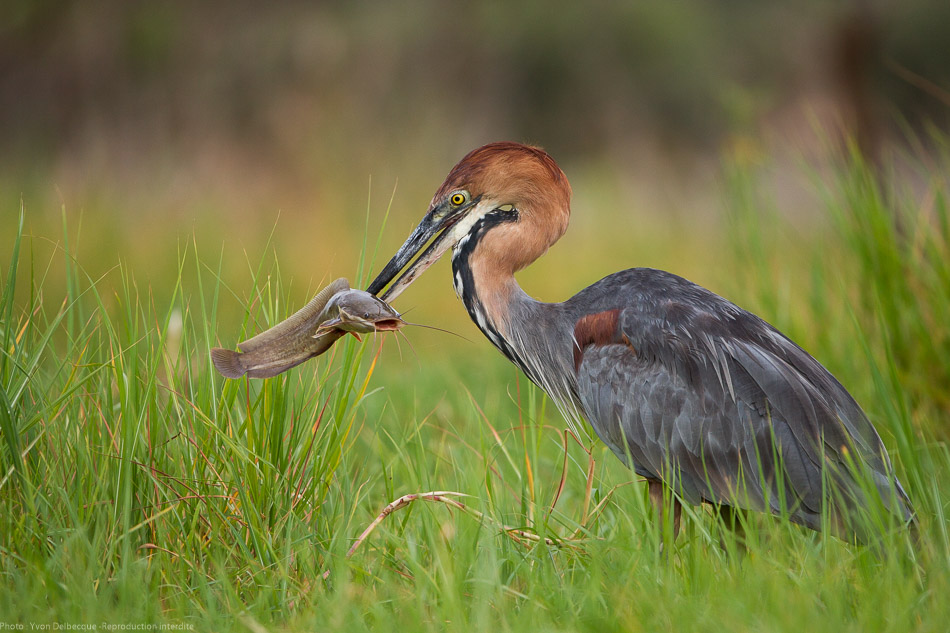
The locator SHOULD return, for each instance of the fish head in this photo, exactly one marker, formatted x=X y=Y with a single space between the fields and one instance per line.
x=360 y=312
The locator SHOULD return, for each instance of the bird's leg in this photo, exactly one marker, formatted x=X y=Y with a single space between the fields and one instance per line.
x=730 y=519
x=659 y=504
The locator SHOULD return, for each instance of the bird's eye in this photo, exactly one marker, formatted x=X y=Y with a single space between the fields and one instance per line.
x=457 y=198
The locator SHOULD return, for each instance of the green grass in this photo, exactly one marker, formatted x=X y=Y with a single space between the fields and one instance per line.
x=138 y=486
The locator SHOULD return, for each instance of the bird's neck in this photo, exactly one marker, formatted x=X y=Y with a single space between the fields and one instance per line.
x=528 y=332
x=491 y=295
x=484 y=263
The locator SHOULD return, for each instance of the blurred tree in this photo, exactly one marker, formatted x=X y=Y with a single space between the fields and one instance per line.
x=291 y=89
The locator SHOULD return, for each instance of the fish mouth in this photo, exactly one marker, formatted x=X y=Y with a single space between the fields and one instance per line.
x=389 y=325
x=440 y=223
x=360 y=325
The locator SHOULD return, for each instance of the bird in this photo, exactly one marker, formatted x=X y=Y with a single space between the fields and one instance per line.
x=706 y=401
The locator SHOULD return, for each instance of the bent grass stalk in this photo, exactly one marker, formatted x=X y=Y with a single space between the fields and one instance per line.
x=517 y=534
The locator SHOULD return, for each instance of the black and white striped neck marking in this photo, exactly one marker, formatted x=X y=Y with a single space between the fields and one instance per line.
x=465 y=288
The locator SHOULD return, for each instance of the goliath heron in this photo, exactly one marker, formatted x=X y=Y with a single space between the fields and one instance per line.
x=696 y=394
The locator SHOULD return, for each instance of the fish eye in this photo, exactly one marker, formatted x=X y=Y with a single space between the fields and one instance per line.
x=458 y=198
x=366 y=315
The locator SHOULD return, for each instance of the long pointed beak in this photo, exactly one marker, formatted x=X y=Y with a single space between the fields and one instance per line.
x=434 y=222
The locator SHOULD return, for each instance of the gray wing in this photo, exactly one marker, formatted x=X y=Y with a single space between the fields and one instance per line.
x=720 y=405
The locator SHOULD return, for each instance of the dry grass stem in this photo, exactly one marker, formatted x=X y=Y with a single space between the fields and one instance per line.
x=448 y=497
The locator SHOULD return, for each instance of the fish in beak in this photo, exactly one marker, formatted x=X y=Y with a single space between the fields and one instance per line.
x=336 y=310
x=359 y=312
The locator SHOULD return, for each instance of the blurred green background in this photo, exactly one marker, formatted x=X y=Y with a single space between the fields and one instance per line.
x=155 y=119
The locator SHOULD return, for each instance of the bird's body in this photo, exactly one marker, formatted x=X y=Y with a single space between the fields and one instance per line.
x=689 y=389
x=685 y=387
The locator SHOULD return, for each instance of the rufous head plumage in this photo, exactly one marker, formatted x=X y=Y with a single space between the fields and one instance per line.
x=497 y=178
x=525 y=177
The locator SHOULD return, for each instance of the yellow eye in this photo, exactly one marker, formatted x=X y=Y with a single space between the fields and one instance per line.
x=457 y=199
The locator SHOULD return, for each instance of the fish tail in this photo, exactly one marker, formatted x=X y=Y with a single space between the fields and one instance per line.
x=228 y=362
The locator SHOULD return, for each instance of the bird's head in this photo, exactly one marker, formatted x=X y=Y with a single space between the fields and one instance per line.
x=512 y=198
